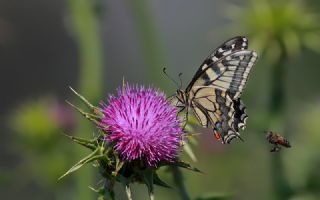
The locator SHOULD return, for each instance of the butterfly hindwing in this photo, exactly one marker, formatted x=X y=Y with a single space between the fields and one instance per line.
x=240 y=116
x=219 y=110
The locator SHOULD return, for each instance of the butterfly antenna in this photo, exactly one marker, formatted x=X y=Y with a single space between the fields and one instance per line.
x=165 y=72
x=180 y=74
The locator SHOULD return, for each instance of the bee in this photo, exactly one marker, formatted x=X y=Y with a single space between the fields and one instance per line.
x=277 y=140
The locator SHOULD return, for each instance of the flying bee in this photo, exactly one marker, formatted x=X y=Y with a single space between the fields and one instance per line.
x=277 y=140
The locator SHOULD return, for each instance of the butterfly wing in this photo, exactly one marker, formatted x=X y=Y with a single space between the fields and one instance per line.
x=215 y=90
x=229 y=74
x=232 y=45
x=226 y=115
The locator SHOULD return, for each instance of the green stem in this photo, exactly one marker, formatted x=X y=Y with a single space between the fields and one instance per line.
x=85 y=26
x=277 y=109
x=277 y=97
x=88 y=39
x=178 y=180
x=109 y=191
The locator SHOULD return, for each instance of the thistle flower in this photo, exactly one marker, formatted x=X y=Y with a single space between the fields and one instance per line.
x=142 y=125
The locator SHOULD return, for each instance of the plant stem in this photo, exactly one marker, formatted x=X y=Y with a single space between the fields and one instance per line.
x=277 y=108
x=178 y=180
x=153 y=52
x=85 y=26
x=88 y=39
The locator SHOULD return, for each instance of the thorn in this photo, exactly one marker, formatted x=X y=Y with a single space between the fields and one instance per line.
x=123 y=82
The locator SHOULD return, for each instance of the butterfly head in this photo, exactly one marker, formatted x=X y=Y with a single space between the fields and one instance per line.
x=181 y=95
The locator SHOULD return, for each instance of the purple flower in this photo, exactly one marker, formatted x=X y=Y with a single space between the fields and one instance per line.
x=142 y=125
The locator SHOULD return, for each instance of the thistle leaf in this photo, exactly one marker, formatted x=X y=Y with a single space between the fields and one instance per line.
x=90 y=144
x=185 y=165
x=159 y=182
x=119 y=165
x=90 y=158
x=125 y=181
x=89 y=116
x=148 y=176
x=84 y=100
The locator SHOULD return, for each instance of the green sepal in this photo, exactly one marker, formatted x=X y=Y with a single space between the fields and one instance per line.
x=100 y=191
x=159 y=182
x=88 y=159
x=119 y=165
x=103 y=193
x=182 y=164
x=94 y=109
x=102 y=197
x=123 y=180
x=90 y=117
x=90 y=144
x=148 y=177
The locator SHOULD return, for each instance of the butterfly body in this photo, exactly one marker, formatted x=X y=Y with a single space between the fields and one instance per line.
x=214 y=92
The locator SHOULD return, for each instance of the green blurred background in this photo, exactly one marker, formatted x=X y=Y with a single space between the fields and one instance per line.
x=45 y=46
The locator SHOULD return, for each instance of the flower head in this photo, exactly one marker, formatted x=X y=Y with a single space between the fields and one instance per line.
x=142 y=125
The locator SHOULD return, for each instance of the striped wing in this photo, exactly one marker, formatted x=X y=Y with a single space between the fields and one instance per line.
x=229 y=74
x=215 y=90
x=234 y=44
x=226 y=115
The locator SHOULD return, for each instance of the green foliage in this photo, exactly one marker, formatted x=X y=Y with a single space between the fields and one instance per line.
x=37 y=126
x=35 y=122
x=273 y=25
x=214 y=197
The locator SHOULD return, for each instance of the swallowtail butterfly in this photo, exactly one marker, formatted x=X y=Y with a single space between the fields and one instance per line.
x=214 y=92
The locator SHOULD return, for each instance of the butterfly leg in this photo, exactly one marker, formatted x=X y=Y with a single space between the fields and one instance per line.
x=186 y=118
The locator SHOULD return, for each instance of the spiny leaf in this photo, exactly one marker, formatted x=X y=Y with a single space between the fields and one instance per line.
x=90 y=158
x=92 y=107
x=123 y=82
x=90 y=144
x=159 y=182
x=100 y=190
x=85 y=114
x=125 y=181
x=148 y=180
x=119 y=165
x=185 y=165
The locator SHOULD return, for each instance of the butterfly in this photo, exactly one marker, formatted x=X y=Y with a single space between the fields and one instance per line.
x=277 y=140
x=214 y=92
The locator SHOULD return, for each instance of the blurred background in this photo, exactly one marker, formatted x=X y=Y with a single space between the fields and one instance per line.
x=45 y=46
